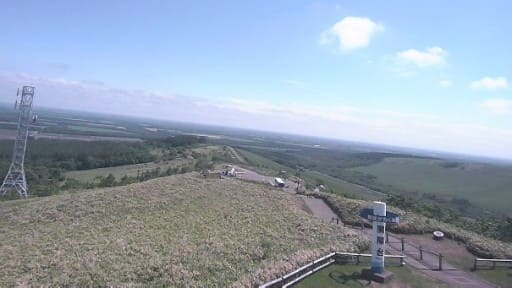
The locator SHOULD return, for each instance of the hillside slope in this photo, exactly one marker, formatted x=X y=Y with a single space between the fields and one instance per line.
x=169 y=231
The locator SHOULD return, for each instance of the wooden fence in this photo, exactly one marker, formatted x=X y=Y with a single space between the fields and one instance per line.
x=306 y=270
x=493 y=263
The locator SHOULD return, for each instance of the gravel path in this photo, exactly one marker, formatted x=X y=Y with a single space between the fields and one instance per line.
x=430 y=265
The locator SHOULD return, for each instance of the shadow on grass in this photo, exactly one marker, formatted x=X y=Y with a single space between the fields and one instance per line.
x=344 y=278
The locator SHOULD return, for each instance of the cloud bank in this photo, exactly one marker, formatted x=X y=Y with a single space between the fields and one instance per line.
x=490 y=83
x=433 y=56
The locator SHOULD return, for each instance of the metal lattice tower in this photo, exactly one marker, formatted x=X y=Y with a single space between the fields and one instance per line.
x=15 y=179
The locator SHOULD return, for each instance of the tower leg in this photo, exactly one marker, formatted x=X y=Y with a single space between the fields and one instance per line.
x=15 y=179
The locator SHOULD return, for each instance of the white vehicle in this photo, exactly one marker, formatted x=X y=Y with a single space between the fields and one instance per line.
x=278 y=182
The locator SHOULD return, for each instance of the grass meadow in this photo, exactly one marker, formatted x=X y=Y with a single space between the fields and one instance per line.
x=179 y=231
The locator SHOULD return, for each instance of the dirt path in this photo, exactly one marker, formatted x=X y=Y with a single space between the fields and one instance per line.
x=236 y=155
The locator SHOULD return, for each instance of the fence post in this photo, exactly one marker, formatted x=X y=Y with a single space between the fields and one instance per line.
x=474 y=265
x=493 y=264
x=403 y=245
x=440 y=261
x=387 y=237
x=402 y=261
x=421 y=253
x=357 y=259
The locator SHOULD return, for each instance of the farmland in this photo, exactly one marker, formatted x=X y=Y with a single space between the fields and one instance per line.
x=92 y=175
x=483 y=184
x=174 y=231
x=187 y=161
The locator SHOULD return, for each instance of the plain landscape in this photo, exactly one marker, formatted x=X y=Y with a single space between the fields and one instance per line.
x=95 y=202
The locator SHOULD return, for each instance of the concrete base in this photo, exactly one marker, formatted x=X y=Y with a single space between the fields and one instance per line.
x=377 y=277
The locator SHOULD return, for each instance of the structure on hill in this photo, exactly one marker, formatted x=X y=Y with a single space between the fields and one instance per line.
x=15 y=179
x=379 y=217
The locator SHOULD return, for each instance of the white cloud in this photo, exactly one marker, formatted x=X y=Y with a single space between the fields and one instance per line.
x=351 y=33
x=432 y=56
x=445 y=83
x=490 y=83
x=498 y=105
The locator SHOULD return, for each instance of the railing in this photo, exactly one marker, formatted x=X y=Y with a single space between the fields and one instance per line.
x=493 y=263
x=303 y=272
x=417 y=252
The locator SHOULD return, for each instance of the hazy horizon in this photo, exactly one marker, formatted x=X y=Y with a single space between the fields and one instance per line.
x=383 y=73
x=396 y=148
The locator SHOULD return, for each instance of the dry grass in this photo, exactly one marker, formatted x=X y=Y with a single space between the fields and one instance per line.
x=413 y=223
x=174 y=231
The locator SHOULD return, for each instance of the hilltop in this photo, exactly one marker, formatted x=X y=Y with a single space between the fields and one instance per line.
x=169 y=231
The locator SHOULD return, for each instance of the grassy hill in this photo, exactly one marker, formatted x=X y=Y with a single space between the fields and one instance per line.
x=172 y=231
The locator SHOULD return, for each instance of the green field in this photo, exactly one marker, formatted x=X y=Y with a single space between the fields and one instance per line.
x=485 y=185
x=350 y=276
x=342 y=187
x=92 y=175
x=262 y=164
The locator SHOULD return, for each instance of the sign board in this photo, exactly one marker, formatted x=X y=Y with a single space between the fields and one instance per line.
x=390 y=218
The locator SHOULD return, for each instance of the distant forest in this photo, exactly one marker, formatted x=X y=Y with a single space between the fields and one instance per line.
x=47 y=160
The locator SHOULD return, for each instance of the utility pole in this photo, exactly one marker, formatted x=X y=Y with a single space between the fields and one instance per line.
x=15 y=179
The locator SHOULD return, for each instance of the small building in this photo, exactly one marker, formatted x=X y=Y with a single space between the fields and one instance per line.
x=278 y=182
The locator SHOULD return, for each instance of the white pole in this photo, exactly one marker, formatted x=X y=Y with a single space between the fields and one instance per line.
x=378 y=237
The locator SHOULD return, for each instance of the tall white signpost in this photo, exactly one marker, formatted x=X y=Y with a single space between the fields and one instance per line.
x=378 y=237
x=379 y=217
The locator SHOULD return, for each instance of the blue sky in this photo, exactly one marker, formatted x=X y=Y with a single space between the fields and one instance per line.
x=428 y=74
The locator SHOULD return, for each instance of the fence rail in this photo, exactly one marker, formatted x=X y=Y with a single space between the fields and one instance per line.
x=306 y=270
x=493 y=262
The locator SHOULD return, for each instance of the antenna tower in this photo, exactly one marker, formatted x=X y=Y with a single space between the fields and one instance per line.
x=15 y=179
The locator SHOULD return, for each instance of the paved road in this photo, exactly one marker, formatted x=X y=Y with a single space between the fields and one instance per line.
x=320 y=209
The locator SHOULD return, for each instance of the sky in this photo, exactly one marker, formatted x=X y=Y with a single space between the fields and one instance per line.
x=422 y=74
